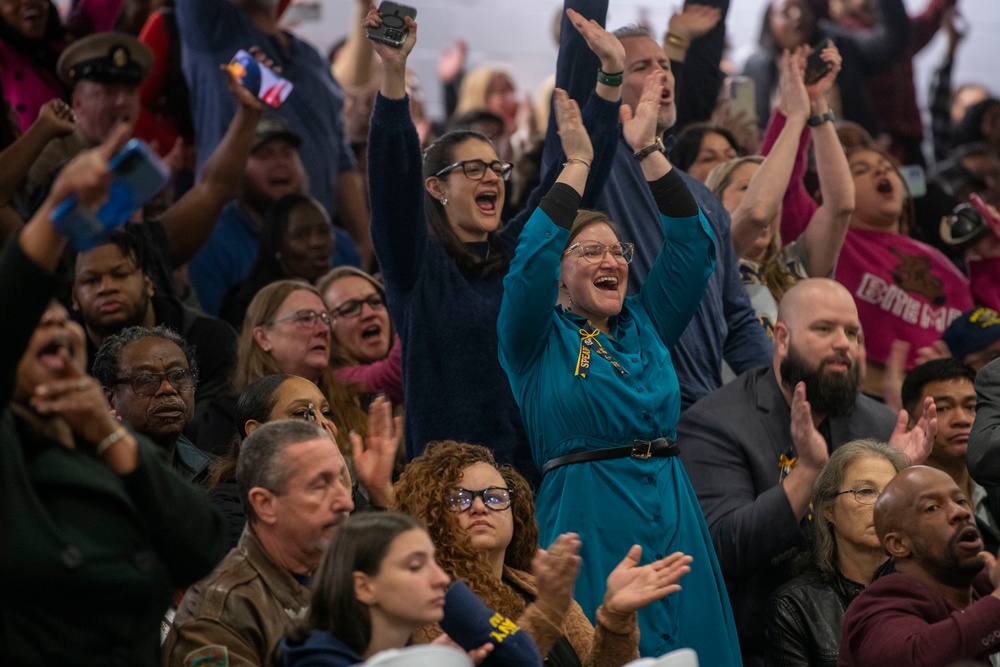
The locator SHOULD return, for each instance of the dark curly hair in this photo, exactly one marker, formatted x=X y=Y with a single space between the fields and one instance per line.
x=422 y=492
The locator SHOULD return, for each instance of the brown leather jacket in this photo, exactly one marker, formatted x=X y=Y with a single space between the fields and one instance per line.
x=239 y=613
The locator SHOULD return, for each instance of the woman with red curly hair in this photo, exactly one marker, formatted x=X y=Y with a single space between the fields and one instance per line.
x=481 y=517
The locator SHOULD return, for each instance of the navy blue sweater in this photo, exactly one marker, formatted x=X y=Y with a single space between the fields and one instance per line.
x=454 y=386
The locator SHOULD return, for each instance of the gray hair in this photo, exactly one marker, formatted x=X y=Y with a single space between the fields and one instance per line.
x=261 y=460
x=632 y=30
x=823 y=553
x=106 y=367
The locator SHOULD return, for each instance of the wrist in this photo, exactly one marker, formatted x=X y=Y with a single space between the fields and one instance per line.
x=647 y=148
x=677 y=39
x=821 y=118
x=610 y=76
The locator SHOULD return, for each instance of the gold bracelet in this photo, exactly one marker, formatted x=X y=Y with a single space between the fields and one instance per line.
x=571 y=160
x=105 y=445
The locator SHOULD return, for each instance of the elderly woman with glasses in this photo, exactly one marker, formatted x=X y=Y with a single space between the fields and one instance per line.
x=443 y=251
x=591 y=369
x=480 y=516
x=805 y=615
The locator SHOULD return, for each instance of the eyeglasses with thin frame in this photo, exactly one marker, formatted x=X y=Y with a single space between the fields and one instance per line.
x=594 y=252
x=352 y=308
x=476 y=169
x=147 y=384
x=495 y=498
x=865 y=495
x=304 y=319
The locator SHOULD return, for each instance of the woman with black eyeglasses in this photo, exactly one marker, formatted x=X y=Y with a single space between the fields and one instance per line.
x=480 y=516
x=365 y=349
x=443 y=251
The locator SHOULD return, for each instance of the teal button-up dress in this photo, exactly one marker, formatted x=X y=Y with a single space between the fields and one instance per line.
x=615 y=503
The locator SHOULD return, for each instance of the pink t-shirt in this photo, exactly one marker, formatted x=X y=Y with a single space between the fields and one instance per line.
x=904 y=290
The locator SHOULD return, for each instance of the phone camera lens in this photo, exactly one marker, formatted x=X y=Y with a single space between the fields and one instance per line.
x=394 y=35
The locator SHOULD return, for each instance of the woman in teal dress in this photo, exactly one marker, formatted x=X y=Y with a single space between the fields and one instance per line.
x=590 y=369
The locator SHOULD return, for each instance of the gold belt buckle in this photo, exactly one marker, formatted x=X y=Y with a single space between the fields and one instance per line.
x=637 y=452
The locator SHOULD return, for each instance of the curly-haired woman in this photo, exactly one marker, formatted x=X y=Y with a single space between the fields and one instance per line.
x=480 y=516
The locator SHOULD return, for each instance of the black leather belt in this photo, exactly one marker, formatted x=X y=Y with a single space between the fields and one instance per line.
x=639 y=449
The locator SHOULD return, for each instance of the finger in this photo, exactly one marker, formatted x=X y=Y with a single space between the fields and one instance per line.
x=357 y=445
x=118 y=137
x=632 y=557
x=625 y=114
x=902 y=419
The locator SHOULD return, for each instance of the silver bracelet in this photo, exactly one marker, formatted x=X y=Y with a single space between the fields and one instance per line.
x=105 y=445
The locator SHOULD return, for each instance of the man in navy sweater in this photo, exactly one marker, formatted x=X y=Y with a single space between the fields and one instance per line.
x=725 y=326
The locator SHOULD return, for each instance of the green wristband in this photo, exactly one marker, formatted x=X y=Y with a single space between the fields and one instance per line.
x=610 y=79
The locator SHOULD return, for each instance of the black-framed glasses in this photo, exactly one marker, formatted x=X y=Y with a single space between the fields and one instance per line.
x=865 y=495
x=594 y=252
x=304 y=319
x=476 y=169
x=352 y=308
x=496 y=498
x=147 y=384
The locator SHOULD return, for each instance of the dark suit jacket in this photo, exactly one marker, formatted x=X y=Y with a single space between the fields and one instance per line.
x=730 y=443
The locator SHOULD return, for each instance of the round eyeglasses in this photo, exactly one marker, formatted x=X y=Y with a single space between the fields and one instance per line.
x=304 y=319
x=865 y=495
x=495 y=498
x=476 y=169
x=147 y=384
x=594 y=252
x=352 y=308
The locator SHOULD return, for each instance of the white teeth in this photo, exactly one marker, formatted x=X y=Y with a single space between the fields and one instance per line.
x=606 y=280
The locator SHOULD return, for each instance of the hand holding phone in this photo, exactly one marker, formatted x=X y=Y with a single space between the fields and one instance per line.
x=259 y=79
x=816 y=67
x=392 y=29
x=137 y=174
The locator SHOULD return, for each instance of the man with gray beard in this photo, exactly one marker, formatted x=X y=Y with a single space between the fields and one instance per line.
x=754 y=447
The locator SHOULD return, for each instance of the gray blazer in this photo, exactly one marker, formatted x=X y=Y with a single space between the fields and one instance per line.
x=731 y=442
x=983 y=457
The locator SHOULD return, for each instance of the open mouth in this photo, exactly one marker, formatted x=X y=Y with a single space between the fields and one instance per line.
x=607 y=283
x=487 y=202
x=884 y=186
x=371 y=333
x=666 y=97
x=55 y=355
x=970 y=538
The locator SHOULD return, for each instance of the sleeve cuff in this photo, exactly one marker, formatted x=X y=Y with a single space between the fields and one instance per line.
x=561 y=204
x=672 y=196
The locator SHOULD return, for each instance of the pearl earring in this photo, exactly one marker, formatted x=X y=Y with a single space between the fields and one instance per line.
x=444 y=201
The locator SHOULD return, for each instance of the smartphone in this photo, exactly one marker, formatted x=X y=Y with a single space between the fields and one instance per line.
x=137 y=173
x=915 y=179
x=742 y=97
x=269 y=87
x=984 y=210
x=393 y=30
x=816 y=67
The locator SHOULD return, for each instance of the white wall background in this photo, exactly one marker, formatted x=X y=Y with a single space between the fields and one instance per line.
x=516 y=32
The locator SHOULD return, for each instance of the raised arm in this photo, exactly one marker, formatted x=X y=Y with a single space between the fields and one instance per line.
x=824 y=236
x=354 y=67
x=531 y=285
x=395 y=174
x=55 y=119
x=190 y=220
x=673 y=288
x=767 y=188
x=883 y=44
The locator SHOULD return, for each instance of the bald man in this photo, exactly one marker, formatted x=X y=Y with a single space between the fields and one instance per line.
x=941 y=605
x=754 y=447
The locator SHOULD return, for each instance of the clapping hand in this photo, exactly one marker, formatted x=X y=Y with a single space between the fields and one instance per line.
x=373 y=464
x=918 y=442
x=555 y=571
x=810 y=447
x=639 y=124
x=572 y=133
x=604 y=45
x=631 y=587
